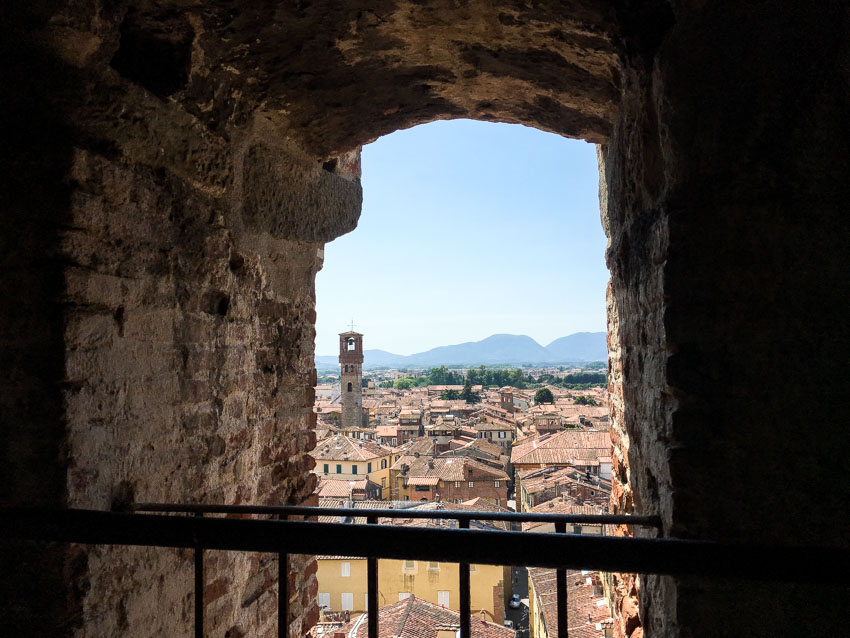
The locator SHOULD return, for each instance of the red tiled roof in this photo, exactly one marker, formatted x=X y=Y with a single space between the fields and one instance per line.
x=559 y=448
x=584 y=610
x=337 y=488
x=453 y=468
x=343 y=448
x=417 y=618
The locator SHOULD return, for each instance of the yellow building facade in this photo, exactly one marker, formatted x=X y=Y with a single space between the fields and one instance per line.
x=343 y=586
x=536 y=623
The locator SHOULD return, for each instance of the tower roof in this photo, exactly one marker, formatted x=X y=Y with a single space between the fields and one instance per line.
x=349 y=333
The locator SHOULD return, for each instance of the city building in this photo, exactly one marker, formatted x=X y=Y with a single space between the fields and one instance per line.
x=451 y=479
x=351 y=378
x=342 y=579
x=345 y=458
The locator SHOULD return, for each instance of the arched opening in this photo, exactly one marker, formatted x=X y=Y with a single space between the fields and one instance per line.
x=496 y=221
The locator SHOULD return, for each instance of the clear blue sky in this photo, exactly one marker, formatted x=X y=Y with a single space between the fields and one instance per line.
x=468 y=229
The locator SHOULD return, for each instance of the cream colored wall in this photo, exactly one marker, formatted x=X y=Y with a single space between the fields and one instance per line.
x=377 y=474
x=536 y=626
x=420 y=581
x=348 y=466
x=331 y=581
x=424 y=583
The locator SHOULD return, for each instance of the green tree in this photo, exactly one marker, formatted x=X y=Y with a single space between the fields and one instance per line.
x=405 y=383
x=517 y=379
x=468 y=395
x=585 y=400
x=543 y=395
x=450 y=395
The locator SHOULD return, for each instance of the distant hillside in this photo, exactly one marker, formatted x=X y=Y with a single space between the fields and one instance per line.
x=580 y=346
x=496 y=349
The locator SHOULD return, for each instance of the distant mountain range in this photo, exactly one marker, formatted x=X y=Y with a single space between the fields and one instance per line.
x=496 y=349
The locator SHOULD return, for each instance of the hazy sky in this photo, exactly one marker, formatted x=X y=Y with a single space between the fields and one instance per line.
x=468 y=229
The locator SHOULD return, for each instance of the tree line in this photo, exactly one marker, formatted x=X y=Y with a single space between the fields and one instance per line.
x=497 y=378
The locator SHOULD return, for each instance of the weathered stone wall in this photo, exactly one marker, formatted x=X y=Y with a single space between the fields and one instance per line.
x=727 y=241
x=162 y=349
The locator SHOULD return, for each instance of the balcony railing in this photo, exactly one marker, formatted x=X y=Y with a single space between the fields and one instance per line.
x=202 y=531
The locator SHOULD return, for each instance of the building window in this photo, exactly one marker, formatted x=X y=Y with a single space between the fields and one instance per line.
x=383 y=464
x=502 y=435
x=433 y=567
x=338 y=468
x=365 y=601
x=354 y=469
x=383 y=482
x=472 y=484
x=345 y=569
x=403 y=595
x=409 y=565
x=498 y=502
x=349 y=386
x=457 y=483
x=347 y=602
x=443 y=598
x=327 y=468
x=324 y=600
x=495 y=483
x=368 y=468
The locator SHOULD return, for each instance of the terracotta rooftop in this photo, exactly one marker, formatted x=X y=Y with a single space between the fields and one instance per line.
x=451 y=468
x=561 y=447
x=493 y=449
x=534 y=481
x=559 y=505
x=587 y=612
x=342 y=448
x=337 y=488
x=417 y=618
x=485 y=426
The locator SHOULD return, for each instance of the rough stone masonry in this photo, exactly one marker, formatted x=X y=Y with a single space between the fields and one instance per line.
x=172 y=170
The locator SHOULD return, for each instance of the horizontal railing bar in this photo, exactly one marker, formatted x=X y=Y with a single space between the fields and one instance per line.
x=569 y=551
x=467 y=515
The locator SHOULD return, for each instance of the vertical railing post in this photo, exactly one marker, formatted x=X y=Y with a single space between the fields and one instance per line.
x=465 y=605
x=372 y=589
x=199 y=587
x=282 y=591
x=561 y=589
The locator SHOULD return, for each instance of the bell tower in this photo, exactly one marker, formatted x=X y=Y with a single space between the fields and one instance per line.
x=351 y=374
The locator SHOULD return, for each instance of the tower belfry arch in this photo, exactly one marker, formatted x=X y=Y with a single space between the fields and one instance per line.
x=350 y=378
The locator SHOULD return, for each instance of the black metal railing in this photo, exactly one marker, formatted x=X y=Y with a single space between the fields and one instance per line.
x=279 y=534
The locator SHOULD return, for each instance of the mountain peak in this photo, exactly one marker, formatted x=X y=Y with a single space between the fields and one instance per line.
x=507 y=349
